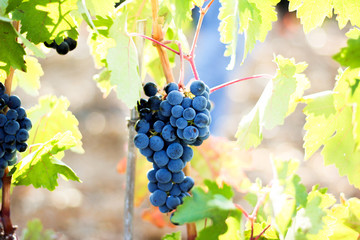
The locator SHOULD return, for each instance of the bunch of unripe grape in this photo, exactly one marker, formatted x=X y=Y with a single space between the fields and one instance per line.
x=170 y=121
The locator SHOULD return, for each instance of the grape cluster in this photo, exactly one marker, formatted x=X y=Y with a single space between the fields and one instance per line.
x=169 y=122
x=63 y=48
x=14 y=127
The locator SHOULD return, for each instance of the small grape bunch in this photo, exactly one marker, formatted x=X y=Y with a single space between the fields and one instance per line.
x=170 y=121
x=63 y=48
x=14 y=127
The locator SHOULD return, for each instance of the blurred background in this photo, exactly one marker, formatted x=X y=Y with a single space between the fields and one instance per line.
x=93 y=209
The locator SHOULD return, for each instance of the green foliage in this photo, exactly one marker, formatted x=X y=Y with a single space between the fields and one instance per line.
x=313 y=14
x=34 y=231
x=172 y=236
x=350 y=55
x=332 y=121
x=8 y=42
x=278 y=100
x=214 y=204
x=250 y=17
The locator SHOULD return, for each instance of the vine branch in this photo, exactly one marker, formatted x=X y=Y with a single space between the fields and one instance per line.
x=9 y=229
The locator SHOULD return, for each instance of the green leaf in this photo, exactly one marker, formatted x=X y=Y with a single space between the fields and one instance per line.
x=11 y=52
x=172 y=236
x=233 y=227
x=42 y=167
x=103 y=82
x=332 y=121
x=123 y=63
x=51 y=117
x=44 y=21
x=102 y=8
x=214 y=204
x=12 y=5
x=313 y=13
x=29 y=81
x=183 y=12
x=34 y=231
x=278 y=100
x=350 y=55
x=253 y=18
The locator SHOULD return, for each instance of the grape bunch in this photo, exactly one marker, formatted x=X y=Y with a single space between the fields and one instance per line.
x=63 y=48
x=170 y=121
x=14 y=127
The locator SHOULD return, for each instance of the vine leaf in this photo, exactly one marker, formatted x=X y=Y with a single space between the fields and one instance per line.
x=42 y=167
x=34 y=230
x=278 y=100
x=50 y=117
x=11 y=52
x=123 y=63
x=313 y=15
x=102 y=8
x=172 y=236
x=29 y=81
x=331 y=120
x=215 y=204
x=42 y=21
x=350 y=55
x=252 y=17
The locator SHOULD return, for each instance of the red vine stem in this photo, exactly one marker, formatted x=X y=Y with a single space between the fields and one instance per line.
x=239 y=80
x=9 y=230
x=262 y=232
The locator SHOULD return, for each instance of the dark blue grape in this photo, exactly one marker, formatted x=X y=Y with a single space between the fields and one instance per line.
x=172 y=202
x=181 y=123
x=150 y=89
x=165 y=108
x=11 y=127
x=2 y=88
x=208 y=105
x=3 y=163
x=147 y=152
x=171 y=87
x=175 y=190
x=191 y=133
x=161 y=158
x=26 y=124
x=175 y=97
x=199 y=103
x=201 y=120
x=145 y=113
x=11 y=139
x=63 y=48
x=163 y=175
x=205 y=137
x=187 y=184
x=164 y=209
x=9 y=148
x=173 y=121
x=175 y=165
x=14 y=102
x=11 y=114
x=22 y=135
x=141 y=126
x=151 y=175
x=168 y=133
x=197 y=142
x=197 y=87
x=9 y=155
x=178 y=177
x=150 y=159
x=186 y=102
x=71 y=42
x=183 y=195
x=3 y=120
x=205 y=95
x=165 y=186
x=203 y=131
x=158 y=126
x=152 y=187
x=189 y=113
x=177 y=111
x=154 y=103
x=187 y=154
x=21 y=147
x=180 y=133
x=158 y=198
x=141 y=141
x=5 y=97
x=2 y=151
x=156 y=143
x=174 y=150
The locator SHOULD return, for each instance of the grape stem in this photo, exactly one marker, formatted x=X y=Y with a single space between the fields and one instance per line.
x=239 y=80
x=9 y=229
